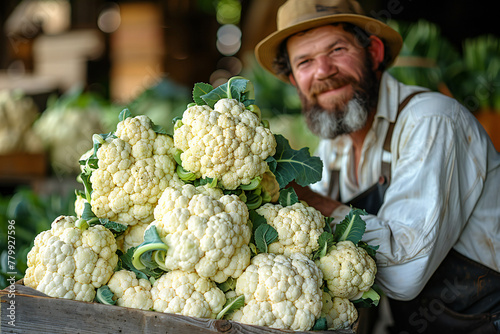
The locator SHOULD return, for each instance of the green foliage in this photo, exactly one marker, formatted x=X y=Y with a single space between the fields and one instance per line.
x=256 y=219
x=265 y=235
x=253 y=199
x=91 y=220
x=125 y=262
x=146 y=255
x=201 y=89
x=228 y=285
x=208 y=181
x=368 y=299
x=124 y=114
x=320 y=325
x=185 y=175
x=253 y=184
x=328 y=226
x=294 y=165
x=237 y=88
x=105 y=296
x=325 y=241
x=352 y=227
x=371 y=250
x=288 y=197
x=481 y=73
x=427 y=58
x=231 y=305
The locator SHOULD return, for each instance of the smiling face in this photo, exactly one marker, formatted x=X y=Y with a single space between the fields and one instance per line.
x=335 y=78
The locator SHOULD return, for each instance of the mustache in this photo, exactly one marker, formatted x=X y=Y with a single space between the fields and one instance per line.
x=329 y=84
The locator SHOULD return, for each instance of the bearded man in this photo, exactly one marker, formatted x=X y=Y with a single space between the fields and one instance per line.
x=417 y=161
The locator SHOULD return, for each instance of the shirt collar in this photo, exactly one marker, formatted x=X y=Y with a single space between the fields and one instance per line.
x=388 y=102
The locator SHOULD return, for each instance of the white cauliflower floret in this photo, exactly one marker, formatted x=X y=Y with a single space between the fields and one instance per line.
x=70 y=263
x=188 y=294
x=339 y=313
x=227 y=143
x=129 y=291
x=280 y=291
x=132 y=237
x=298 y=226
x=348 y=270
x=205 y=231
x=134 y=169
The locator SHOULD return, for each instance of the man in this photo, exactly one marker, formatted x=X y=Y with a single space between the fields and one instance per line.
x=417 y=161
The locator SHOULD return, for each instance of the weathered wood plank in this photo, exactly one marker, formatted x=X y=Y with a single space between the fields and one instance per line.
x=37 y=313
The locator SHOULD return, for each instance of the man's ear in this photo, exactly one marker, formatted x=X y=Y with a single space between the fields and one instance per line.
x=376 y=50
x=292 y=79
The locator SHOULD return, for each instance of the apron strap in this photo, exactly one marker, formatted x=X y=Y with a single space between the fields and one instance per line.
x=386 y=166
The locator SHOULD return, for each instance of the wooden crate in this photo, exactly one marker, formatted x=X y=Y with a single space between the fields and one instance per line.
x=37 y=313
x=21 y=169
x=22 y=165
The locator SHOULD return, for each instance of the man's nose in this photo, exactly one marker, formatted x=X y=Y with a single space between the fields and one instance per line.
x=325 y=67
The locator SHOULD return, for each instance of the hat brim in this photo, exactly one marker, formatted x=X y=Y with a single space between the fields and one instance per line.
x=267 y=49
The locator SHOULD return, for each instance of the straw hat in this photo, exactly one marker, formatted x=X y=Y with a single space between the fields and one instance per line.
x=299 y=15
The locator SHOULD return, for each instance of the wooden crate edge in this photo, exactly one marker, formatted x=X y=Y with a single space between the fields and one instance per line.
x=34 y=308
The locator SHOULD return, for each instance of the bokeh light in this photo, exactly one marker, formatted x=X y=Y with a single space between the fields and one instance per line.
x=109 y=18
x=228 y=39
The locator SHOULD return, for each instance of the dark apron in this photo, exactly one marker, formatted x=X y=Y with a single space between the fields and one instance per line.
x=462 y=296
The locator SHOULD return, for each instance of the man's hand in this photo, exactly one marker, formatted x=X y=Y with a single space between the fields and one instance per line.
x=324 y=204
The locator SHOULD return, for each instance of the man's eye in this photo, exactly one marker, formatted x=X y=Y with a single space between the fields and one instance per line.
x=303 y=62
x=338 y=49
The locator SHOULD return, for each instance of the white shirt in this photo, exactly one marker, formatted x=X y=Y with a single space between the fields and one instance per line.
x=444 y=192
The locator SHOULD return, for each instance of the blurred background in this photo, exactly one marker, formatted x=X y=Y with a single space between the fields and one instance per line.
x=67 y=68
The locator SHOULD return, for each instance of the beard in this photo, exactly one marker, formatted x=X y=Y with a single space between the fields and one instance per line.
x=345 y=116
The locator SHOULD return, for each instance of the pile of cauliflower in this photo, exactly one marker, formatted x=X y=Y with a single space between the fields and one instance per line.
x=200 y=223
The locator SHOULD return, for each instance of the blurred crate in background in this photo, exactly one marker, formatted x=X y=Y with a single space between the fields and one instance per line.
x=136 y=50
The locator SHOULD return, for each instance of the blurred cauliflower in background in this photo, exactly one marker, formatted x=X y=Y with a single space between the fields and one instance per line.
x=66 y=127
x=18 y=112
x=161 y=102
x=67 y=124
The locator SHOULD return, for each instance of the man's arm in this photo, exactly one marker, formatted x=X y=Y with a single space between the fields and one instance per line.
x=322 y=203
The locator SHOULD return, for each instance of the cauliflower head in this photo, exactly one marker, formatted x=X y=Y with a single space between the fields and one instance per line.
x=205 y=231
x=18 y=112
x=133 y=170
x=129 y=291
x=339 y=312
x=70 y=263
x=188 y=294
x=280 y=291
x=227 y=143
x=298 y=226
x=348 y=270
